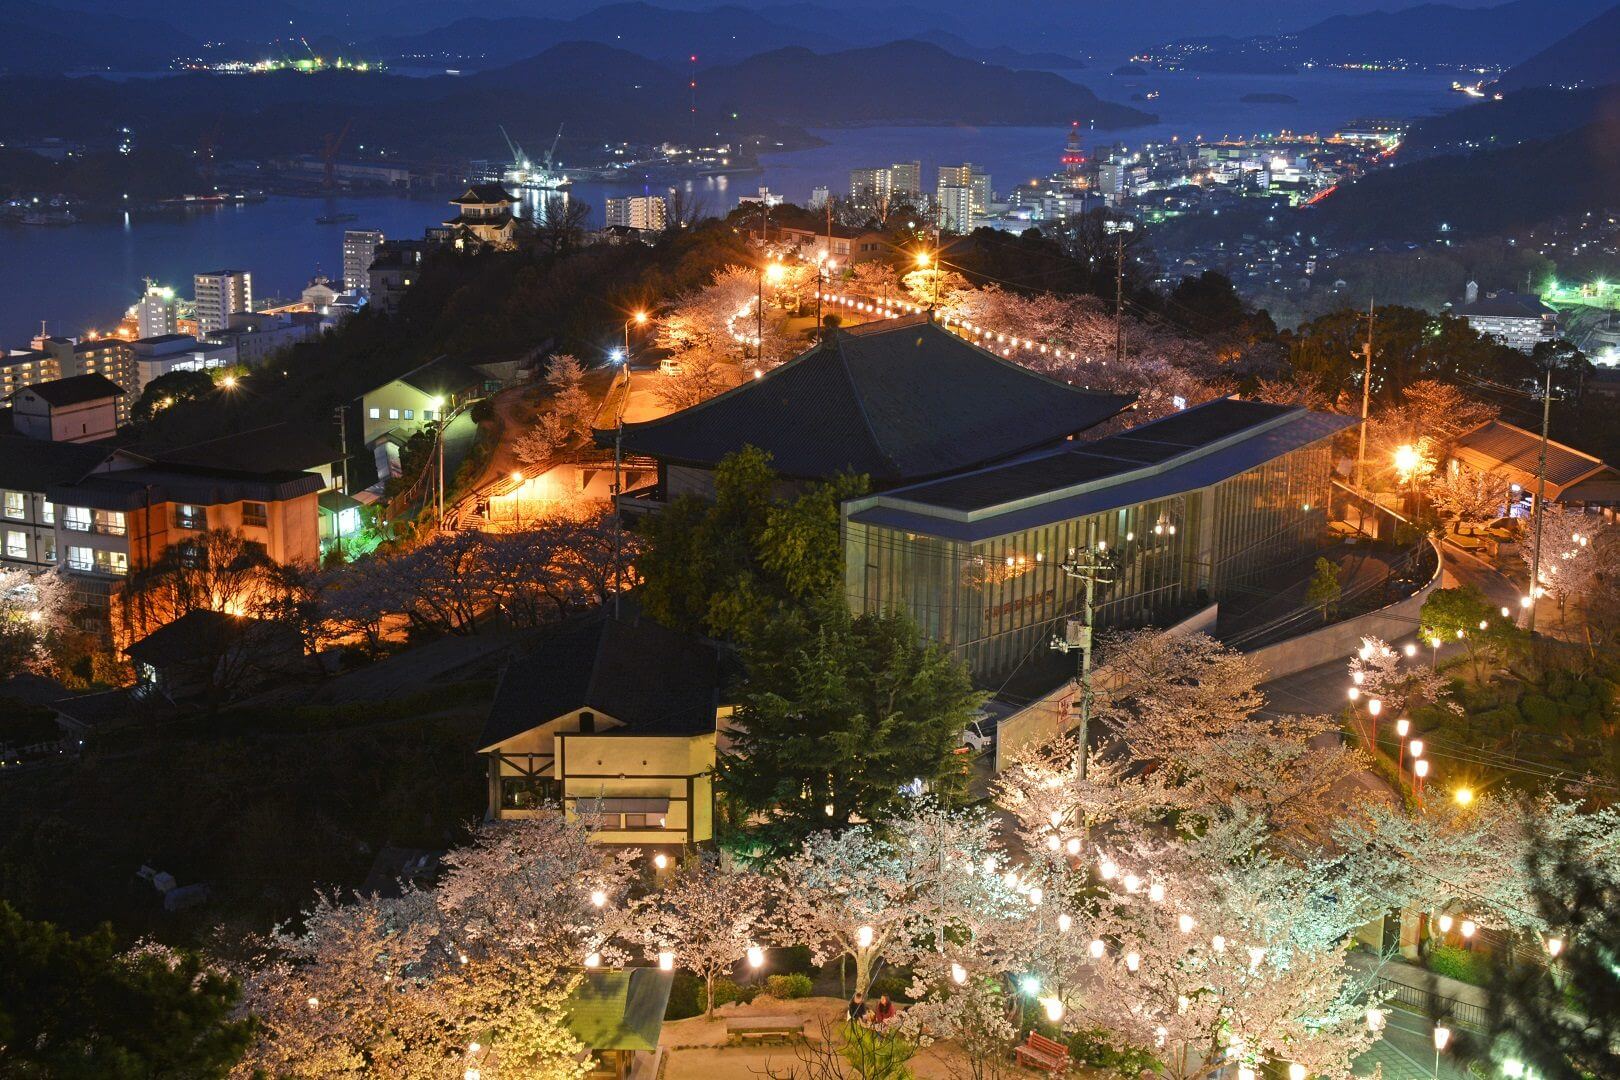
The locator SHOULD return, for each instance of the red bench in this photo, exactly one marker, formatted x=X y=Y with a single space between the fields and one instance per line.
x=1042 y=1053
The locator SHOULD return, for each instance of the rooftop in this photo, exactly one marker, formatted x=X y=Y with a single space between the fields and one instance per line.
x=130 y=489
x=1504 y=305
x=483 y=194
x=1182 y=452
x=1513 y=452
x=74 y=390
x=653 y=680
x=898 y=401
x=35 y=464
x=443 y=376
x=273 y=448
x=620 y=1010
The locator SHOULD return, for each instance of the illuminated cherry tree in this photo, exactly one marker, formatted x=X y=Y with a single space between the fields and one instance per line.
x=1380 y=673
x=33 y=610
x=928 y=876
x=707 y=919
x=1579 y=554
x=1057 y=808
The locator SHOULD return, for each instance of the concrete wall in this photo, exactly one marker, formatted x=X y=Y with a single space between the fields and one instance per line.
x=1343 y=638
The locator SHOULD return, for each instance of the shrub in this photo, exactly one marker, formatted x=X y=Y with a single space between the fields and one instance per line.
x=881 y=1055
x=795 y=985
x=685 y=996
x=1460 y=964
x=726 y=991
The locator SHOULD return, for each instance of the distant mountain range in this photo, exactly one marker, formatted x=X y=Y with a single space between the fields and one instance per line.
x=1429 y=34
x=601 y=94
x=720 y=35
x=1588 y=56
x=42 y=39
x=1488 y=192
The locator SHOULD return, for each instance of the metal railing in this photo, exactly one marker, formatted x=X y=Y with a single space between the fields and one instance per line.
x=1463 y=1013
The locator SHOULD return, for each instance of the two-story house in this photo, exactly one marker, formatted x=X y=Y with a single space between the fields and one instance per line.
x=399 y=408
x=28 y=534
x=81 y=408
x=617 y=722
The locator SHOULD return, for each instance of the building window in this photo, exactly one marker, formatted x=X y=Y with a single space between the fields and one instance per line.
x=410 y=414
x=255 y=513
x=16 y=544
x=47 y=548
x=47 y=512
x=644 y=821
x=427 y=414
x=527 y=792
x=375 y=413
x=77 y=518
x=110 y=522
x=81 y=558
x=112 y=562
x=16 y=504
x=190 y=517
x=393 y=414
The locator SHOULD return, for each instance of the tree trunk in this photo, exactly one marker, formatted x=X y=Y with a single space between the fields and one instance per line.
x=863 y=969
x=708 y=1002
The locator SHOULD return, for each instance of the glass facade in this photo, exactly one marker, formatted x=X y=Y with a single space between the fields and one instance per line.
x=995 y=601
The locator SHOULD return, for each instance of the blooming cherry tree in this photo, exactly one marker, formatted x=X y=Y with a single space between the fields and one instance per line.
x=708 y=916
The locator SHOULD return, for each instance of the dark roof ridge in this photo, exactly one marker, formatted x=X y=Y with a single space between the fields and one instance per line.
x=860 y=410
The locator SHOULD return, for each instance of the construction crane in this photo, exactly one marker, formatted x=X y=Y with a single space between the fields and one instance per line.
x=552 y=153
x=518 y=161
x=331 y=144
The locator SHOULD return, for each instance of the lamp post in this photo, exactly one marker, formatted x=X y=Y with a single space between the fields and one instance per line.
x=1442 y=1036
x=771 y=272
x=1402 y=726
x=639 y=318
x=438 y=411
x=618 y=470
x=924 y=262
x=1407 y=463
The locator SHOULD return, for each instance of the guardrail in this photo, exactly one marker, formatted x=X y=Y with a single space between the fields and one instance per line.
x=1462 y=1013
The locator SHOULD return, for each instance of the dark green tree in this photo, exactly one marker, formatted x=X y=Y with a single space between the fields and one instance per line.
x=76 y=1007
x=727 y=566
x=167 y=391
x=838 y=714
x=1464 y=614
x=1562 y=1018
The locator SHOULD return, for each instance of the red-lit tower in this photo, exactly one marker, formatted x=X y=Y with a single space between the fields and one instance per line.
x=1073 y=159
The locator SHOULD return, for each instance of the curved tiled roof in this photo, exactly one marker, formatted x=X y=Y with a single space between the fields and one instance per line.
x=898 y=400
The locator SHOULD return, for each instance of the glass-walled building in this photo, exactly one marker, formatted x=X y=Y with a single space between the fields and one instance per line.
x=1187 y=508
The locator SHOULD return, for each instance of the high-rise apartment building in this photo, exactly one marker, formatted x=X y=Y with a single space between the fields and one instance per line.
x=155 y=311
x=359 y=249
x=649 y=212
x=970 y=176
x=955 y=208
x=26 y=367
x=899 y=182
x=219 y=294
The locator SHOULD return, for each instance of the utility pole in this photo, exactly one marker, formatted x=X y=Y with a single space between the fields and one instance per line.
x=439 y=525
x=1094 y=566
x=1541 y=495
x=341 y=414
x=618 y=483
x=1366 y=401
x=1119 y=229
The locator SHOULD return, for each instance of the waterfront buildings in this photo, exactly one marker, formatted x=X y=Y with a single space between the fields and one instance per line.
x=970 y=176
x=219 y=294
x=883 y=185
x=1517 y=320
x=616 y=722
x=955 y=205
x=254 y=338
x=359 y=249
x=394 y=266
x=155 y=312
x=648 y=213
x=178 y=352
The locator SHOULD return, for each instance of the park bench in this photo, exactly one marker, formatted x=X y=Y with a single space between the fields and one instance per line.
x=1042 y=1053
x=764 y=1028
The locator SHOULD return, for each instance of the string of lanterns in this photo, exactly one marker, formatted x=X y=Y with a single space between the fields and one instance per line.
x=989 y=337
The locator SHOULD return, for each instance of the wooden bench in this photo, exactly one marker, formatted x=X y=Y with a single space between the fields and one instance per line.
x=1040 y=1052
x=741 y=1029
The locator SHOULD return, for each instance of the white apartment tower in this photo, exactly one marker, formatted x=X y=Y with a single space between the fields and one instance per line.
x=646 y=212
x=155 y=311
x=359 y=250
x=219 y=294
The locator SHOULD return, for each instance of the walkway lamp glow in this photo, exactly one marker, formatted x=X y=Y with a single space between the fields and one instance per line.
x=1444 y=922
x=598 y=897
x=1442 y=1036
x=756 y=956
x=1296 y=1071
x=1410 y=650
x=1133 y=962
x=1218 y=943
x=1417 y=752
x=1065 y=923
x=666 y=961
x=1156 y=893
x=1097 y=948
x=1555 y=946
x=1073 y=846
x=1468 y=927
x=1464 y=796
x=1376 y=1019
x=863 y=938
x=1054 y=1009
x=958 y=974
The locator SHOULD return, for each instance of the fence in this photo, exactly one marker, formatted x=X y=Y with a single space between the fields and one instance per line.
x=1462 y=1013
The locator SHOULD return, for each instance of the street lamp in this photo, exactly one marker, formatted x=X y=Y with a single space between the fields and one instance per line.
x=1402 y=726
x=1442 y=1036
x=1464 y=796
x=640 y=319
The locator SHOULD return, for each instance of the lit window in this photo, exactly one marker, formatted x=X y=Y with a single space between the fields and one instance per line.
x=427 y=414
x=112 y=562
x=78 y=518
x=47 y=512
x=393 y=414
x=47 y=547
x=410 y=414
x=16 y=504
x=376 y=414
x=16 y=544
x=80 y=558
